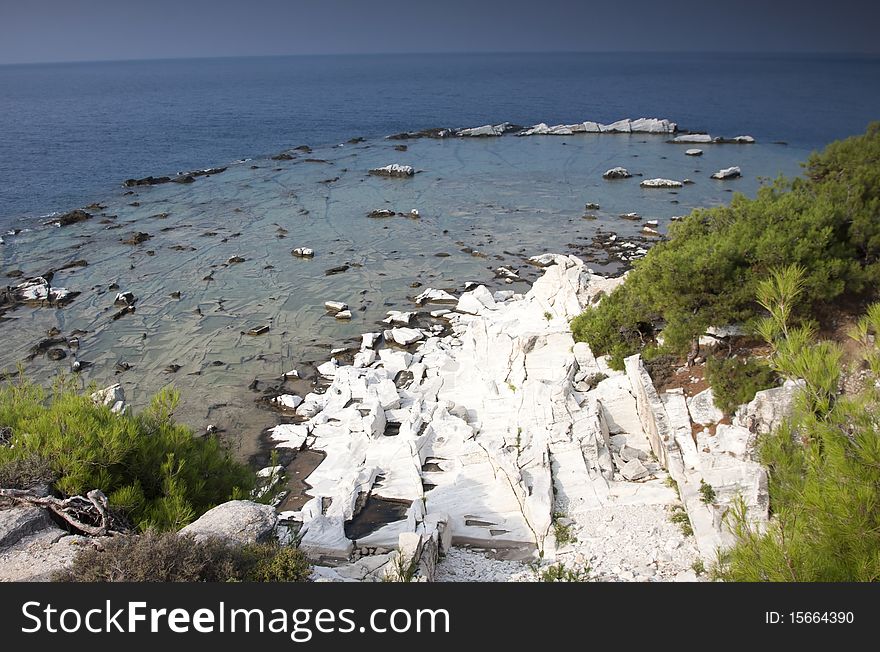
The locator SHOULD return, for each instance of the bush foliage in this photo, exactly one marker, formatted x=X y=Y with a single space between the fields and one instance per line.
x=735 y=381
x=824 y=463
x=153 y=470
x=168 y=557
x=706 y=273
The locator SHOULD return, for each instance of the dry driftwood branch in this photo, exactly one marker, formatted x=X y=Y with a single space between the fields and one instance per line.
x=89 y=514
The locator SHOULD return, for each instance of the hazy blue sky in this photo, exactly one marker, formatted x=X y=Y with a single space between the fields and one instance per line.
x=70 y=30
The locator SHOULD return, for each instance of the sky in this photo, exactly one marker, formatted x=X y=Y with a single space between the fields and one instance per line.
x=88 y=30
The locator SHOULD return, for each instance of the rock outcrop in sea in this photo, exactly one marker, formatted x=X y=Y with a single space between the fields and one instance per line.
x=625 y=126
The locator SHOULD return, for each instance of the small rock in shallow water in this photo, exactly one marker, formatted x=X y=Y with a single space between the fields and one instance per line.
x=336 y=270
x=56 y=354
x=137 y=238
x=617 y=173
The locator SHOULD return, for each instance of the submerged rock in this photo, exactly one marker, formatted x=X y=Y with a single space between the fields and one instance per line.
x=73 y=217
x=137 y=238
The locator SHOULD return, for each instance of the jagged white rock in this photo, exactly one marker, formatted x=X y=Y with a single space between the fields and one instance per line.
x=289 y=401
x=431 y=295
x=693 y=138
x=728 y=173
x=335 y=306
x=485 y=131
x=660 y=183
x=702 y=408
x=616 y=173
x=394 y=170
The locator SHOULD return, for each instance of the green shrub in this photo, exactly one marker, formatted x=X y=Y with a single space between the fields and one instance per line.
x=706 y=274
x=824 y=469
x=559 y=572
x=735 y=381
x=707 y=493
x=152 y=469
x=168 y=557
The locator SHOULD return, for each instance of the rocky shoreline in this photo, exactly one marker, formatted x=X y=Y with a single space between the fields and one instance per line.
x=499 y=439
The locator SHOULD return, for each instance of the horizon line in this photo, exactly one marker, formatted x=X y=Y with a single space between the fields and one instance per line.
x=830 y=53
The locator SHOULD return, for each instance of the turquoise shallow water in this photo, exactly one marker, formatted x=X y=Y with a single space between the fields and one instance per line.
x=507 y=198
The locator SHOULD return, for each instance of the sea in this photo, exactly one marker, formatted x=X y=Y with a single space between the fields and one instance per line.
x=70 y=134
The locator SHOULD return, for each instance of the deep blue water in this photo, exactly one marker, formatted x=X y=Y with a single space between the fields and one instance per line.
x=69 y=133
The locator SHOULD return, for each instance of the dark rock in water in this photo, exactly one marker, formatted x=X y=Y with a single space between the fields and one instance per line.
x=442 y=254
x=71 y=265
x=137 y=238
x=415 y=284
x=316 y=160
x=122 y=367
x=401 y=148
x=52 y=332
x=303 y=148
x=73 y=217
x=113 y=286
x=184 y=177
x=56 y=354
x=172 y=368
x=122 y=313
x=46 y=345
x=283 y=156
x=95 y=207
x=437 y=132
x=125 y=299
x=356 y=140
x=630 y=216
x=235 y=260
x=175 y=295
x=592 y=207
x=135 y=204
x=259 y=330
x=15 y=273
x=146 y=181
x=381 y=212
x=336 y=270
